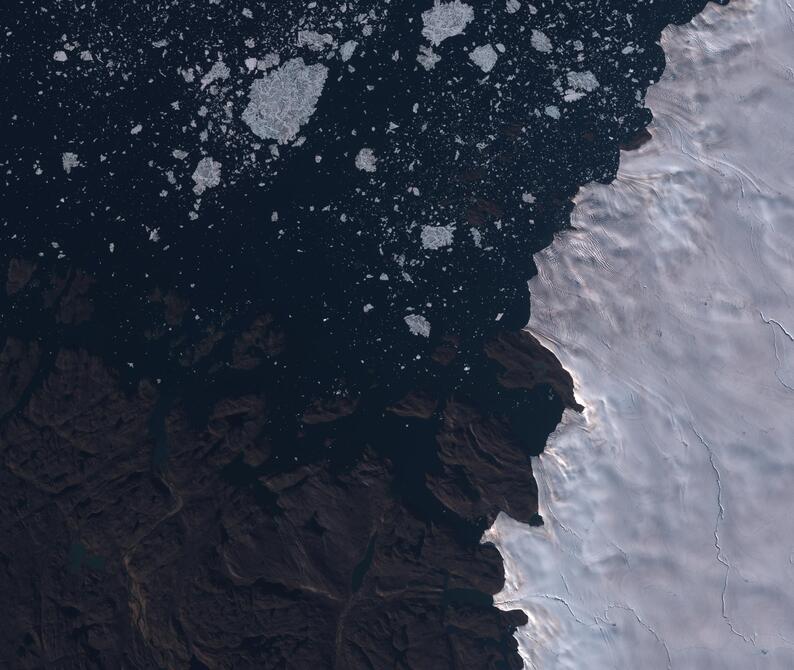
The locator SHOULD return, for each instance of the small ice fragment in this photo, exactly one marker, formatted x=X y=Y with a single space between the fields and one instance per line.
x=314 y=41
x=206 y=175
x=540 y=41
x=347 y=49
x=446 y=19
x=179 y=154
x=70 y=160
x=60 y=56
x=572 y=96
x=418 y=325
x=582 y=81
x=484 y=57
x=528 y=198
x=136 y=129
x=366 y=160
x=268 y=61
x=553 y=111
x=427 y=58
x=218 y=71
x=513 y=6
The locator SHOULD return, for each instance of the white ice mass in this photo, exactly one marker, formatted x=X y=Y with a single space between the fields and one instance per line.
x=284 y=100
x=513 y=6
x=540 y=41
x=314 y=41
x=218 y=71
x=366 y=160
x=418 y=325
x=347 y=49
x=436 y=237
x=446 y=19
x=69 y=160
x=484 y=57
x=427 y=58
x=669 y=538
x=206 y=175
x=582 y=81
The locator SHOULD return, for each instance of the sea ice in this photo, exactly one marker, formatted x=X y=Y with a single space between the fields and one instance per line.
x=436 y=237
x=484 y=57
x=284 y=100
x=540 y=41
x=69 y=160
x=314 y=41
x=219 y=70
x=366 y=160
x=446 y=19
x=206 y=175
x=347 y=49
x=418 y=325
x=553 y=111
x=582 y=81
x=427 y=57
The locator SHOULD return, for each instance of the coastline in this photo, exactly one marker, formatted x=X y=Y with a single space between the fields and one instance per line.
x=664 y=502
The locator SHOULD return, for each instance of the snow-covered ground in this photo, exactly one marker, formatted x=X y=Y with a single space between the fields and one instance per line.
x=669 y=504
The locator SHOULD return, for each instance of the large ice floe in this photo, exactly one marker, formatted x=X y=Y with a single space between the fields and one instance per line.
x=284 y=100
x=669 y=528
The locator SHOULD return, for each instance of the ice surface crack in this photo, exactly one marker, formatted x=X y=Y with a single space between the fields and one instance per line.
x=559 y=599
x=717 y=545
x=778 y=324
x=627 y=608
x=772 y=323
